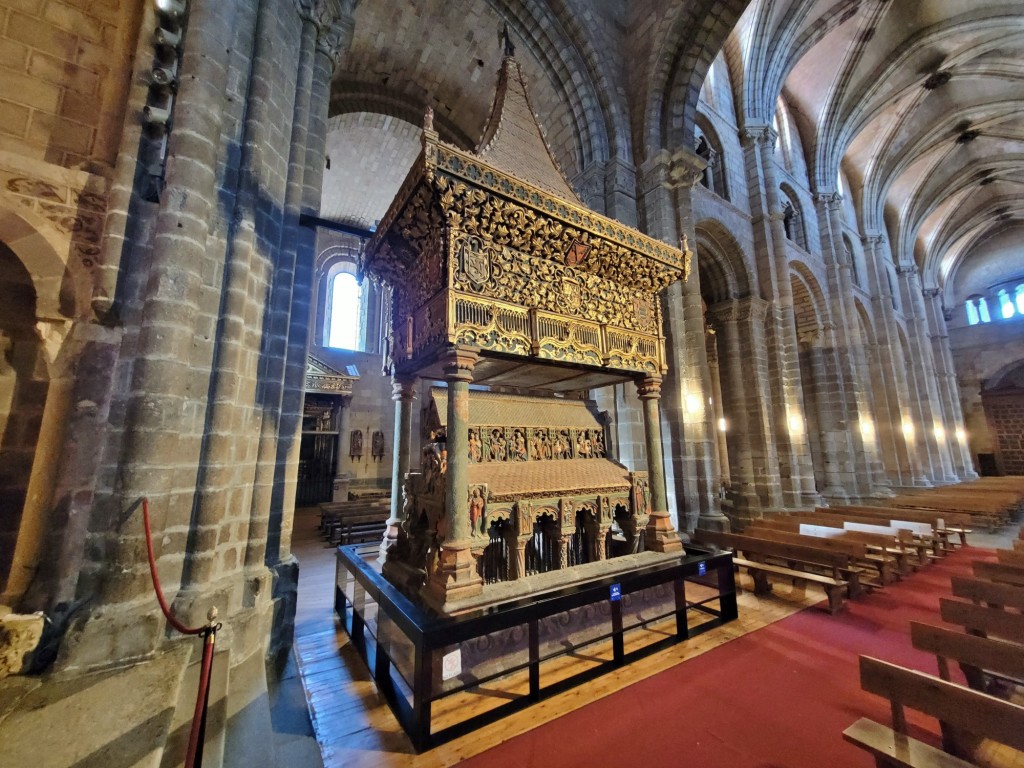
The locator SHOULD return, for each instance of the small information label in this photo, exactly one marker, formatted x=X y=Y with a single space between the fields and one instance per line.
x=451 y=664
x=615 y=592
x=702 y=568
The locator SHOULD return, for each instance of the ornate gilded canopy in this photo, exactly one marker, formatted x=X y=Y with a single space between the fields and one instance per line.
x=491 y=249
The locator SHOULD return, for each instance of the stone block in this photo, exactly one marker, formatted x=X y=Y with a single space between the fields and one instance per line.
x=19 y=637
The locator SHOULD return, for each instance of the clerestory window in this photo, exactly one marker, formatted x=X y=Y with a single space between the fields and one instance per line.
x=344 y=321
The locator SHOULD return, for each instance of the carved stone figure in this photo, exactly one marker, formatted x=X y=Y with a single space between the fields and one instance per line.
x=498 y=445
x=475 y=448
x=476 y=511
x=355 y=450
x=519 y=446
x=377 y=446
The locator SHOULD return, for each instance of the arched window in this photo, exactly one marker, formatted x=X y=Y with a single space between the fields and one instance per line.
x=1019 y=298
x=855 y=266
x=709 y=148
x=1006 y=308
x=344 y=312
x=792 y=220
x=972 y=312
x=983 y=314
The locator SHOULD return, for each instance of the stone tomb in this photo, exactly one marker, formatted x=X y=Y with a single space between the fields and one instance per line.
x=499 y=276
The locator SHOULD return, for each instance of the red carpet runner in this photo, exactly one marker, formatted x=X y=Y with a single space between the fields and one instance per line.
x=779 y=697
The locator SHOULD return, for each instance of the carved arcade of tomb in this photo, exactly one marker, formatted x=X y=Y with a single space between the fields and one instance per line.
x=500 y=277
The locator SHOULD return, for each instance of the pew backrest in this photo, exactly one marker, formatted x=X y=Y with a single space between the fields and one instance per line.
x=980 y=653
x=951 y=704
x=983 y=619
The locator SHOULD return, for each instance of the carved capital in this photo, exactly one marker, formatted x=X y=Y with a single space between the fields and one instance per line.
x=334 y=24
x=403 y=388
x=830 y=201
x=687 y=169
x=649 y=388
x=872 y=241
x=458 y=363
x=909 y=270
x=932 y=293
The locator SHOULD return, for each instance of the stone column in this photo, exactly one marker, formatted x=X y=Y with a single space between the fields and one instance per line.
x=661 y=535
x=823 y=365
x=341 y=480
x=903 y=462
x=455 y=578
x=923 y=373
x=789 y=433
x=865 y=479
x=693 y=484
x=739 y=327
x=404 y=391
x=949 y=391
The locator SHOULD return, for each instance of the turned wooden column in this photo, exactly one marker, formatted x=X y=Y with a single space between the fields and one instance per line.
x=404 y=391
x=661 y=536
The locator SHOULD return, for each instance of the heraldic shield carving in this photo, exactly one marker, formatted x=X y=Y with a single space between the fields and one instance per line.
x=475 y=261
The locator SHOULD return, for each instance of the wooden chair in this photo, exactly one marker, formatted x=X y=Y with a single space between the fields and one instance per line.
x=957 y=708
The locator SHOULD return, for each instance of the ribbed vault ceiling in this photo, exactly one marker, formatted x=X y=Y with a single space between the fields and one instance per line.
x=922 y=104
x=918 y=101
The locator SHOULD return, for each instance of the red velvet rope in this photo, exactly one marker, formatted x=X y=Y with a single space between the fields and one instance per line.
x=156 y=579
x=194 y=755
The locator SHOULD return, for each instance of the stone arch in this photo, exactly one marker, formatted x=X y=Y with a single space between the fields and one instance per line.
x=35 y=320
x=793 y=220
x=708 y=146
x=689 y=43
x=817 y=369
x=721 y=262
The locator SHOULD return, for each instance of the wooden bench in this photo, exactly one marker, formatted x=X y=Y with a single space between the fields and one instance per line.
x=920 y=547
x=885 y=547
x=990 y=593
x=351 y=522
x=1001 y=572
x=956 y=707
x=801 y=563
x=816 y=536
x=977 y=656
x=983 y=620
x=1010 y=557
x=944 y=525
x=992 y=516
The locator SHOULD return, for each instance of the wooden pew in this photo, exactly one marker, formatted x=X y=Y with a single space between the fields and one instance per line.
x=955 y=707
x=875 y=550
x=992 y=516
x=1001 y=572
x=350 y=522
x=975 y=655
x=907 y=538
x=1010 y=557
x=944 y=524
x=990 y=593
x=802 y=563
x=982 y=620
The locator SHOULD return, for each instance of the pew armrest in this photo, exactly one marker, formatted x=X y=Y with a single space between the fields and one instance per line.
x=893 y=749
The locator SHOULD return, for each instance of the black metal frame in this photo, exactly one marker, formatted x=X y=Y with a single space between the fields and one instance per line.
x=428 y=631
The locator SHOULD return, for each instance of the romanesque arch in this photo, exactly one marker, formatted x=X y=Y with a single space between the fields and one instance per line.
x=35 y=320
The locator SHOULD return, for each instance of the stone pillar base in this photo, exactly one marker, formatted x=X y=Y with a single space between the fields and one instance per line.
x=454 y=577
x=660 y=535
x=389 y=540
x=340 y=489
x=716 y=522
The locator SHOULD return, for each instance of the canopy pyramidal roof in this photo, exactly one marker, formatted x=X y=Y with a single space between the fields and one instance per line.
x=513 y=140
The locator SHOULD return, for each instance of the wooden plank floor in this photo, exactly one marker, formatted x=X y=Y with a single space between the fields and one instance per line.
x=353 y=723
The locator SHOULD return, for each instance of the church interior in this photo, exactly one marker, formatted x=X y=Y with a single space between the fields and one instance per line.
x=513 y=300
